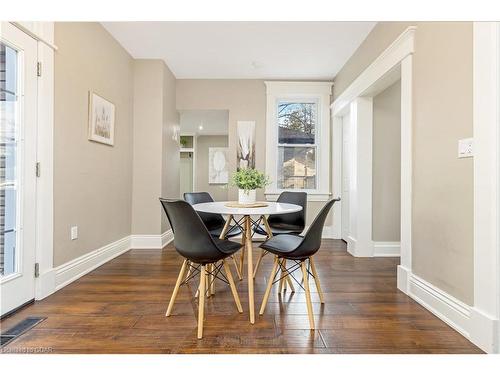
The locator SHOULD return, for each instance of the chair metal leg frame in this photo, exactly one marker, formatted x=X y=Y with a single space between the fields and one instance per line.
x=281 y=263
x=208 y=273
x=264 y=253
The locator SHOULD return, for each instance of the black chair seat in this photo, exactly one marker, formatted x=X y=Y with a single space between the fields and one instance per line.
x=282 y=245
x=228 y=247
x=281 y=228
x=234 y=231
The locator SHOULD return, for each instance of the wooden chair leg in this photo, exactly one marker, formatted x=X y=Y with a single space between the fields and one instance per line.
x=213 y=267
x=316 y=280
x=308 y=294
x=190 y=269
x=242 y=259
x=282 y=285
x=229 y=276
x=269 y=286
x=262 y=254
x=176 y=288
x=201 y=302
x=238 y=273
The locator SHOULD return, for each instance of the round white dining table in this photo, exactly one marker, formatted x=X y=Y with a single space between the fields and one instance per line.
x=271 y=208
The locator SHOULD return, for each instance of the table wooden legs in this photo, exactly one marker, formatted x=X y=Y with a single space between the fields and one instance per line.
x=223 y=236
x=248 y=249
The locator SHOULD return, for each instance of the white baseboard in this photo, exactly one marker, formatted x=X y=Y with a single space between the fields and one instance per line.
x=386 y=249
x=484 y=331
x=76 y=268
x=151 y=241
x=452 y=311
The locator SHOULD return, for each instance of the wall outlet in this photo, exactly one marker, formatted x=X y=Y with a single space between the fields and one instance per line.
x=74 y=233
x=465 y=148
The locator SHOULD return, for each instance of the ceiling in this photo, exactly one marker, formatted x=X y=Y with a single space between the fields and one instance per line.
x=250 y=50
x=204 y=122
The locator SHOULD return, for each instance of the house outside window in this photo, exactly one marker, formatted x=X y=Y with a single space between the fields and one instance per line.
x=298 y=138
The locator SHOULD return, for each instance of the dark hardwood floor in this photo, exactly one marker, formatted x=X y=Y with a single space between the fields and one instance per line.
x=120 y=308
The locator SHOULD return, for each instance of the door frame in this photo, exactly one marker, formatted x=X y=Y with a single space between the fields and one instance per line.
x=396 y=62
x=43 y=33
x=485 y=314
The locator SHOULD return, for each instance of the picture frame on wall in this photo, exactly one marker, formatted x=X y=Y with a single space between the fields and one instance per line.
x=101 y=120
x=218 y=165
x=245 y=151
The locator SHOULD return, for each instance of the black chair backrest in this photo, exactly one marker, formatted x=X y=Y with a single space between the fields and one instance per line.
x=296 y=218
x=211 y=221
x=191 y=238
x=312 y=239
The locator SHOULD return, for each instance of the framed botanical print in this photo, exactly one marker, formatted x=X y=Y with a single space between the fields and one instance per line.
x=101 y=120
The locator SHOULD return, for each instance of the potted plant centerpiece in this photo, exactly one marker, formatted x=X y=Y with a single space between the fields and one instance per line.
x=248 y=180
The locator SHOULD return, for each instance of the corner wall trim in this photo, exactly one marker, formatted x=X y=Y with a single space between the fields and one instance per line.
x=452 y=311
x=386 y=249
x=76 y=268
x=151 y=241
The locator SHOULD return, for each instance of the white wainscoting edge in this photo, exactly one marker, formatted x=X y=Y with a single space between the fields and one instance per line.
x=166 y=238
x=76 y=268
x=449 y=309
x=151 y=241
x=386 y=249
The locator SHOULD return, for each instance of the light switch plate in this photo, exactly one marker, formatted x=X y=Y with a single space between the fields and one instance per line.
x=74 y=233
x=465 y=148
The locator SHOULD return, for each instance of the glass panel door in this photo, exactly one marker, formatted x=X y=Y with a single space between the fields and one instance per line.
x=18 y=142
x=8 y=150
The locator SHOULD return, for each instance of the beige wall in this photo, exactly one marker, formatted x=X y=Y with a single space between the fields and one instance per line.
x=386 y=176
x=442 y=224
x=156 y=154
x=170 y=180
x=92 y=181
x=245 y=99
x=203 y=143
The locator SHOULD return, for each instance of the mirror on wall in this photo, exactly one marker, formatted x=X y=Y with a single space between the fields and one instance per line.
x=204 y=152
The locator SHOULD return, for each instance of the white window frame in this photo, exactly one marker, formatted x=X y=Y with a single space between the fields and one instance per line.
x=320 y=93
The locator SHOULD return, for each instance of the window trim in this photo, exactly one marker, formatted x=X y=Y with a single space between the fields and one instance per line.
x=278 y=91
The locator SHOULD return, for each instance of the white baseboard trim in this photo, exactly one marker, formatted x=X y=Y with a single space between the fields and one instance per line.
x=484 y=331
x=76 y=268
x=151 y=241
x=166 y=238
x=452 y=311
x=386 y=249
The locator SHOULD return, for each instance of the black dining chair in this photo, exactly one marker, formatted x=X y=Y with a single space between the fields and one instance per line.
x=202 y=253
x=214 y=222
x=299 y=250
x=293 y=223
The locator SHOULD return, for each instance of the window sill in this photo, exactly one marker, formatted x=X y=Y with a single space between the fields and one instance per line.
x=313 y=196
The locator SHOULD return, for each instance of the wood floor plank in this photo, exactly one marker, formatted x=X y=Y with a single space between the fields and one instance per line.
x=120 y=308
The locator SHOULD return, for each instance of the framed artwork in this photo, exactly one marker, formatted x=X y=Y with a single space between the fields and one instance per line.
x=245 y=152
x=217 y=165
x=101 y=120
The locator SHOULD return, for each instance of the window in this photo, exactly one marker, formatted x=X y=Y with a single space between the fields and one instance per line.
x=298 y=141
x=296 y=123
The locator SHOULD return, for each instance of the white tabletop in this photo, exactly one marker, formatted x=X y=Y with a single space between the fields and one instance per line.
x=271 y=208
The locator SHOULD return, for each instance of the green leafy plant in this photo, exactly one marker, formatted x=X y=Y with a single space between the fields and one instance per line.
x=183 y=142
x=249 y=179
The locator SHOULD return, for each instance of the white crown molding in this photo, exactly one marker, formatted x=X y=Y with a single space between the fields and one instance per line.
x=403 y=46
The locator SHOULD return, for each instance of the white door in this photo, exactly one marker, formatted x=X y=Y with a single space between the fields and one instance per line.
x=345 y=176
x=18 y=106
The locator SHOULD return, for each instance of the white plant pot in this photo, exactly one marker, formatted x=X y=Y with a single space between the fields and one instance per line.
x=246 y=197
